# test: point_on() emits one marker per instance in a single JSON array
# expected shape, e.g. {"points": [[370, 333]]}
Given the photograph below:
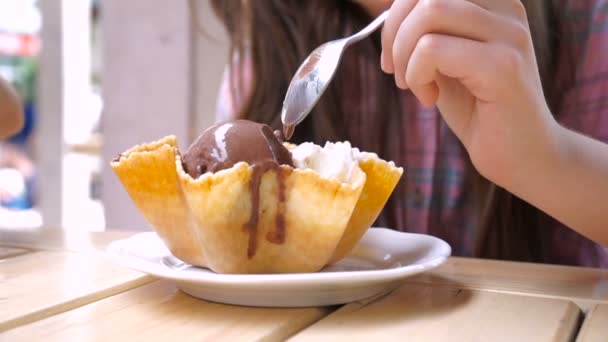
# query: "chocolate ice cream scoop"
{"points": [[225, 144]]}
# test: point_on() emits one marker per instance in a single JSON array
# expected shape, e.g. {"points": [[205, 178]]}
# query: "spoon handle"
{"points": [[369, 29]]}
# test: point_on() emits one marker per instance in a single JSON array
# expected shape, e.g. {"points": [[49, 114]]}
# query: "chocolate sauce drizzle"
{"points": [[278, 236], [288, 131], [225, 144]]}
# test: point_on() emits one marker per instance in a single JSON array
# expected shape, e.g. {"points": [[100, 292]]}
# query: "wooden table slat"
{"points": [[9, 252], [69, 290], [439, 313], [41, 284], [159, 312], [595, 326], [584, 286], [62, 240]]}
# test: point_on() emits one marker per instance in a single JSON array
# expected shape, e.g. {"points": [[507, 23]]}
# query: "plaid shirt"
{"points": [[435, 162]]}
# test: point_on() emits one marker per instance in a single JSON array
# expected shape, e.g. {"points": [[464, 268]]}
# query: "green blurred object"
{"points": [[26, 70], [21, 72]]}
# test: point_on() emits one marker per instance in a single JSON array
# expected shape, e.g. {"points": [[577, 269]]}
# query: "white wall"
{"points": [[159, 77], [146, 77], [209, 58]]}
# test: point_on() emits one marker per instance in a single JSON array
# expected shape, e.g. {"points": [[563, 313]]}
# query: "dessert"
{"points": [[222, 146], [241, 201]]}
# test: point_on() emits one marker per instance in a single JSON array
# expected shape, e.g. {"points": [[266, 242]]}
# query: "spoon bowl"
{"points": [[314, 75]]}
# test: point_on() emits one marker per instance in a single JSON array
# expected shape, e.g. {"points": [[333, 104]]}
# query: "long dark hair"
{"points": [[279, 34]]}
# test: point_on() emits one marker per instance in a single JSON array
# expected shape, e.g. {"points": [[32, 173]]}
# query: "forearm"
{"points": [[572, 186], [11, 113]]}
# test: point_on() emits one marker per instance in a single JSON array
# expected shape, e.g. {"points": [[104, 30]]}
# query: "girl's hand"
{"points": [[475, 60]]}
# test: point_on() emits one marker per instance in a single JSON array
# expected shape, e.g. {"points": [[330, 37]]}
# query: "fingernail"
{"points": [[382, 61], [398, 82], [404, 84]]}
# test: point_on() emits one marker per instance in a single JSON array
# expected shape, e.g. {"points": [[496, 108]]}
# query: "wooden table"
{"points": [[57, 286]]}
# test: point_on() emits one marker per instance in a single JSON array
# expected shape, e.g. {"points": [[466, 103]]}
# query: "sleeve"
{"points": [[584, 105], [235, 89]]}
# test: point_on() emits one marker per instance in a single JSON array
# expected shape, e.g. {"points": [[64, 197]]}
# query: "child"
{"points": [[502, 146]]}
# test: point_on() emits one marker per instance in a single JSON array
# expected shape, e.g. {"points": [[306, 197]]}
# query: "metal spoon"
{"points": [[315, 73]]}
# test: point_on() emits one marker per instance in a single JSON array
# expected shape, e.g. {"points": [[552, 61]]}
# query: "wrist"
{"points": [[549, 153]]}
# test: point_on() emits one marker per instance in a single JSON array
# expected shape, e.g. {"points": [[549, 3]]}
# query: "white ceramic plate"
{"points": [[382, 258]]}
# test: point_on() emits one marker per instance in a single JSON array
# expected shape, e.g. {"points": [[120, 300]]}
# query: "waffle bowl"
{"points": [[303, 221]]}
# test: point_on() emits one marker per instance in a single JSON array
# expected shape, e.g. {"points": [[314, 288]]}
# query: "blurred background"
{"points": [[97, 77]]}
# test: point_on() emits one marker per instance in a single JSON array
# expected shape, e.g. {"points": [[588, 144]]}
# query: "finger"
{"points": [[402, 8], [476, 65], [508, 8], [471, 66], [456, 18], [398, 12], [427, 94]]}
